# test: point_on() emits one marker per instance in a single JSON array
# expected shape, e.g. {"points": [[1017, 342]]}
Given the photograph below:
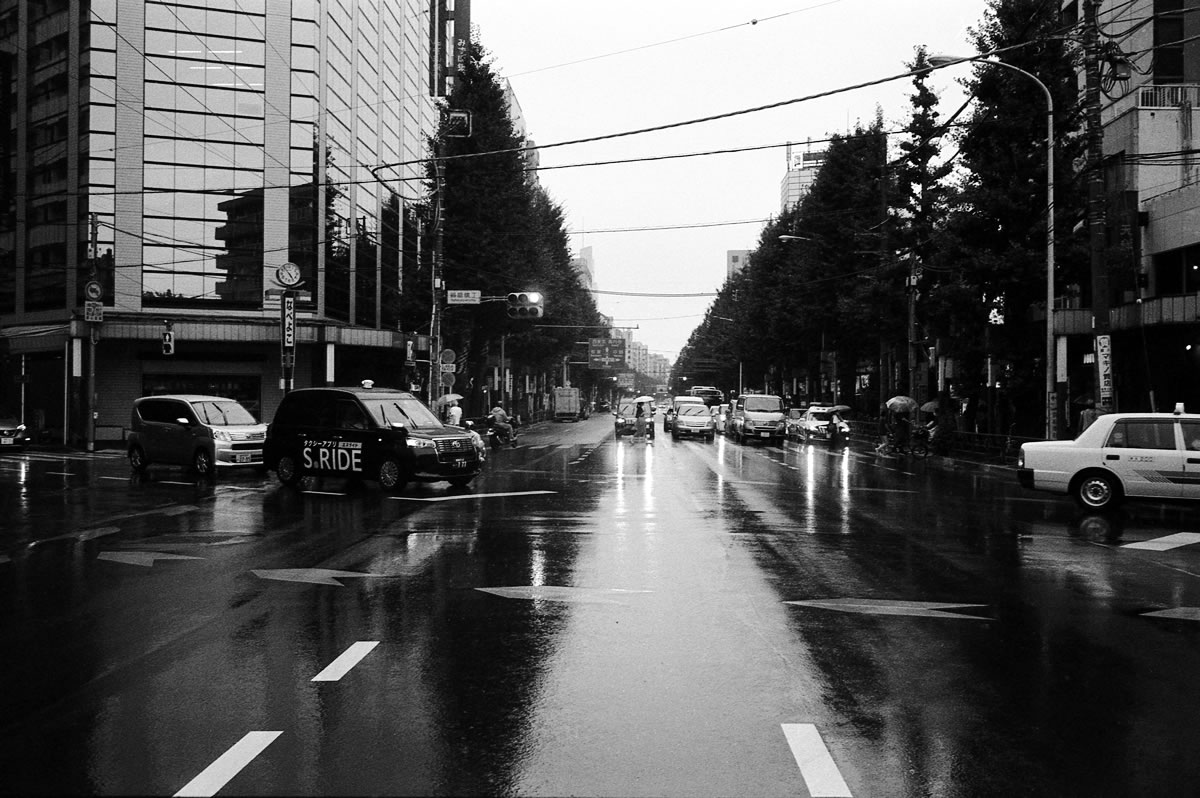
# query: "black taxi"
{"points": [[383, 434]]}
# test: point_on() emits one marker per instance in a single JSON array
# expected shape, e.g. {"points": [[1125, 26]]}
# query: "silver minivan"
{"points": [[205, 432]]}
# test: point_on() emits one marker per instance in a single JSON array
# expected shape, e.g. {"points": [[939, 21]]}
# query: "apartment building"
{"points": [[160, 161], [1150, 108]]}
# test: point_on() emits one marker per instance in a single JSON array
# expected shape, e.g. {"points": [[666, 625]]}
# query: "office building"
{"points": [[161, 160]]}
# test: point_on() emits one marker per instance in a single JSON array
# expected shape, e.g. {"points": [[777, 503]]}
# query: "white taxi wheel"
{"points": [[286, 470], [391, 478], [1097, 491]]}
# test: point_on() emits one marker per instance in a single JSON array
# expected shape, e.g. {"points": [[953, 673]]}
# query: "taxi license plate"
{"points": [[241, 458], [7, 441], [765, 434], [460, 463]]}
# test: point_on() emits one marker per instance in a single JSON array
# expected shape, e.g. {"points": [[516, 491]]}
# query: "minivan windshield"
{"points": [[403, 408], [764, 404], [222, 414]]}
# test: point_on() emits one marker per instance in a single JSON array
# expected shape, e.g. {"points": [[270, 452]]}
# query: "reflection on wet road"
{"points": [[594, 617]]}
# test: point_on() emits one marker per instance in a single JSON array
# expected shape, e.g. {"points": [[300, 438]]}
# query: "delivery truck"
{"points": [[566, 404]]}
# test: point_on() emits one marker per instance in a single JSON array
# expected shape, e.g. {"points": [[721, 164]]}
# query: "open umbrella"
{"points": [[902, 404], [840, 409], [642, 398], [930, 407], [450, 397]]}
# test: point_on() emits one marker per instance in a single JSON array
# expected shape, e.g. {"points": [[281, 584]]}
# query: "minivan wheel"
{"points": [[286, 470], [202, 462], [391, 476], [137, 459]]}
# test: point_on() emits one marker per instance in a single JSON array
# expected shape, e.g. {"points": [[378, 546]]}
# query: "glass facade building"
{"points": [[176, 152]]}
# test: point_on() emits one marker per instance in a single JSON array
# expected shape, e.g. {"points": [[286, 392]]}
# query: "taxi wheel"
{"points": [[391, 476], [202, 463], [286, 470], [1097, 491], [137, 459]]}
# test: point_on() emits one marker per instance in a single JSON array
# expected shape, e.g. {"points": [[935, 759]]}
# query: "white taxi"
{"points": [[1121, 455]]}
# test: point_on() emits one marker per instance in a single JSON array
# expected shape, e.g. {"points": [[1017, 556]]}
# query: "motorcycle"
{"points": [[497, 436]]}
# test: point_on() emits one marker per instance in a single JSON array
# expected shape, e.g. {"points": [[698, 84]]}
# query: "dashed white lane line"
{"points": [[1166, 543], [335, 670], [820, 772], [229, 764]]}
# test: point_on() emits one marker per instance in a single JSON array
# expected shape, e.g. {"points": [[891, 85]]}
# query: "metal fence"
{"points": [[980, 446]]}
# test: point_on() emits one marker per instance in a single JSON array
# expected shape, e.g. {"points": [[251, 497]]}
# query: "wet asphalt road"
{"points": [[593, 617]]}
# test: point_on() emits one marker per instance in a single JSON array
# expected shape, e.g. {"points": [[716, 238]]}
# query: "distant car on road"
{"points": [[673, 410], [693, 419], [758, 416], [720, 415], [625, 422], [814, 424], [712, 396], [1120, 456]]}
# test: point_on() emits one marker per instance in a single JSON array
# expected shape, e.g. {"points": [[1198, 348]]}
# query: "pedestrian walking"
{"points": [[454, 414]]}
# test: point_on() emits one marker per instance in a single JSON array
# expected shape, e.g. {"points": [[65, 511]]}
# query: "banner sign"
{"points": [[1104, 369]]}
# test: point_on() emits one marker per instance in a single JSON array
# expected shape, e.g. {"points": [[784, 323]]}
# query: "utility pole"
{"points": [[93, 335], [1096, 216], [435, 322]]}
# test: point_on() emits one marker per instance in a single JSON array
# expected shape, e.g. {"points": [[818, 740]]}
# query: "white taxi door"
{"points": [[1144, 453], [1191, 459]]}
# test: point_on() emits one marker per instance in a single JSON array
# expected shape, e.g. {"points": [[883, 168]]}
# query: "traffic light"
{"points": [[525, 305], [168, 343]]}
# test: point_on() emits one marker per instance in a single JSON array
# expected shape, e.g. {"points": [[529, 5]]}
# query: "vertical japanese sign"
{"points": [[1104, 369], [288, 322]]}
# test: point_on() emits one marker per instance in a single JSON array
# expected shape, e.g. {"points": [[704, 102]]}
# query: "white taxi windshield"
{"points": [[764, 404], [401, 409]]}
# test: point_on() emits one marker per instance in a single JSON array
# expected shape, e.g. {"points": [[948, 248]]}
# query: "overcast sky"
{"points": [[582, 68]]}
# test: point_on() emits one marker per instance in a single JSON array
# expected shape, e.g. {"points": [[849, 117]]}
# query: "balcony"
{"points": [[1169, 96], [1176, 309]]}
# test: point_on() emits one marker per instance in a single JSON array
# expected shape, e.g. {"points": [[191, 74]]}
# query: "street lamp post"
{"points": [[946, 60]]}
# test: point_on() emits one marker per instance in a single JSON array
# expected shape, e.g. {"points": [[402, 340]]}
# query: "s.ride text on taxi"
{"points": [[333, 455]]}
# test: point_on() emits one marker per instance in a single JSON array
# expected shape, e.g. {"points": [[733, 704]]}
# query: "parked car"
{"points": [[673, 410], [625, 422], [693, 419], [382, 434], [1120, 456], [758, 416], [207, 433], [720, 415], [13, 434]]}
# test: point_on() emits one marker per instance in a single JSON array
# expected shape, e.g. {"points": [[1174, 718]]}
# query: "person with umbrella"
{"points": [[454, 414]]}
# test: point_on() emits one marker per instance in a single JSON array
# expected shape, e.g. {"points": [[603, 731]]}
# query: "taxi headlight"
{"points": [[421, 443], [222, 435], [620, 419]]}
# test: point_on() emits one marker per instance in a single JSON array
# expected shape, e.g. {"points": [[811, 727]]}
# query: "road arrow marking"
{"points": [[583, 595], [335, 670], [314, 576], [143, 558], [1179, 614], [916, 609], [469, 496], [229, 764], [820, 772], [1166, 543]]}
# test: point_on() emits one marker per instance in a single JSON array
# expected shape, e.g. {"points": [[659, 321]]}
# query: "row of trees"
{"points": [[501, 233], [959, 234]]}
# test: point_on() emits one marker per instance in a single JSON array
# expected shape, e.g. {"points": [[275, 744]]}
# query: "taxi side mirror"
{"points": [[183, 422]]}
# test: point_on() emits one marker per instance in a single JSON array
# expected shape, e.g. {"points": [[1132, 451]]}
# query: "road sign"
{"points": [[447, 356], [92, 290], [449, 368], [706, 364], [606, 353], [463, 297], [93, 311], [625, 379], [448, 378]]}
